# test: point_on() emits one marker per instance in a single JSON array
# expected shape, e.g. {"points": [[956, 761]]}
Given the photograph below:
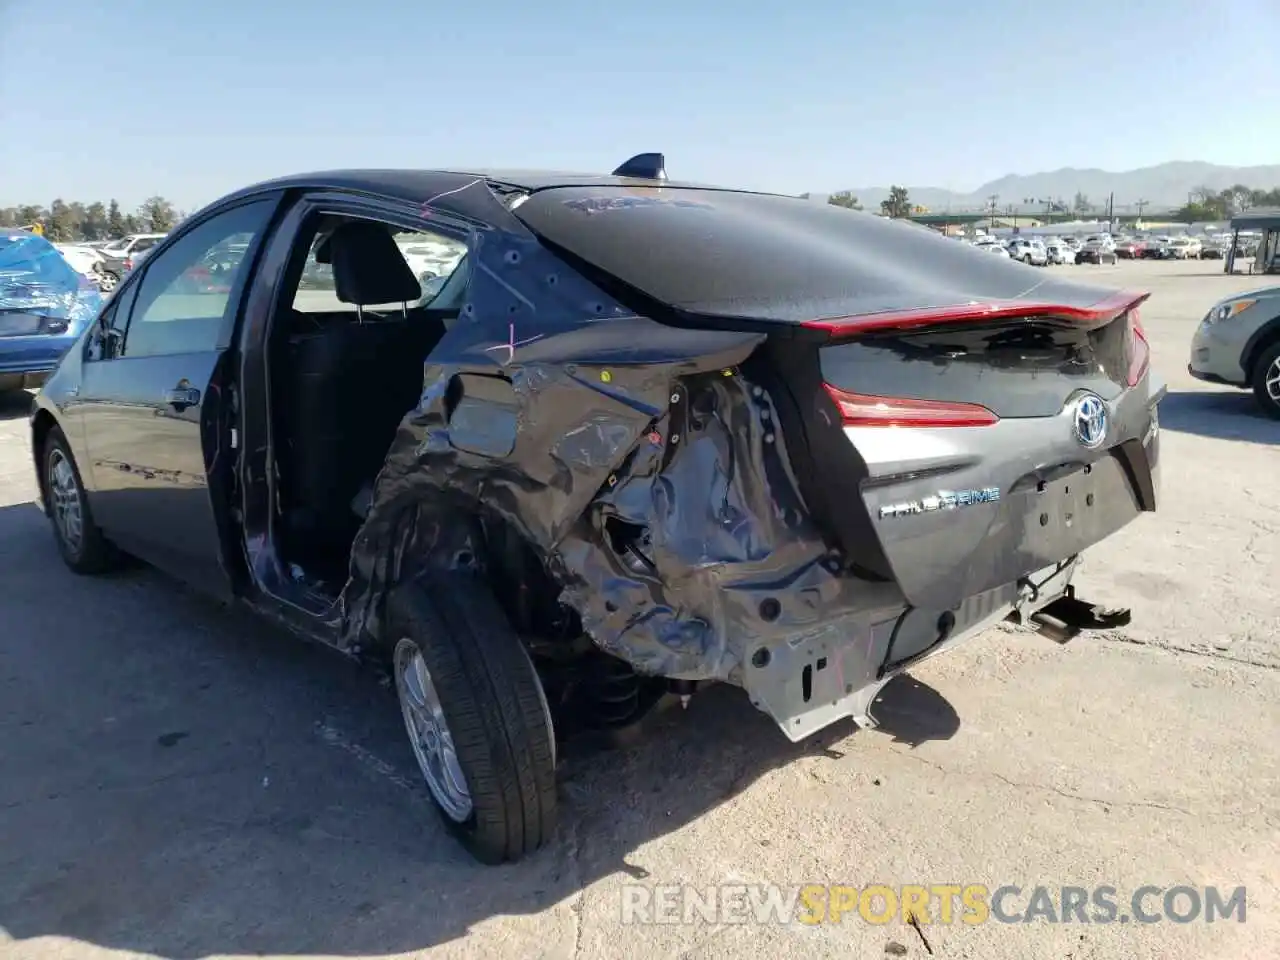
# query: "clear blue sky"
{"points": [[131, 97]]}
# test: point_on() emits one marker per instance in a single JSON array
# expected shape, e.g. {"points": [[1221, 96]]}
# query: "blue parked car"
{"points": [[44, 305]]}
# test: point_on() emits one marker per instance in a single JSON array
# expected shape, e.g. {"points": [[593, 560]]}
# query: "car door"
{"points": [[149, 403]]}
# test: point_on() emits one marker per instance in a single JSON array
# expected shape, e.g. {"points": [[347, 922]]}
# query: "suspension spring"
{"points": [[613, 694]]}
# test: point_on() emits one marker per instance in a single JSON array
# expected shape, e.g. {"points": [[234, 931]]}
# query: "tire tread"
{"points": [[493, 699]]}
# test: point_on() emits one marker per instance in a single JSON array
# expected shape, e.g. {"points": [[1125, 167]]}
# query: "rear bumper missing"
{"points": [[27, 361], [22, 381], [812, 682]]}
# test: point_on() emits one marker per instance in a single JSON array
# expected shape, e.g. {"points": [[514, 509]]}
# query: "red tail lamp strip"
{"points": [[1097, 314], [860, 410]]}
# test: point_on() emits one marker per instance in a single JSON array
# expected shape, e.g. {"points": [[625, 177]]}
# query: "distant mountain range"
{"points": [[1165, 187]]}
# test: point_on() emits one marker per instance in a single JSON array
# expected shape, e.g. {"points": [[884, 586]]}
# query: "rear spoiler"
{"points": [[975, 312]]}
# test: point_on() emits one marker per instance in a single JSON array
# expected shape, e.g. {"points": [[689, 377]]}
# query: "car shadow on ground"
{"points": [[183, 780], [1222, 414], [15, 404]]}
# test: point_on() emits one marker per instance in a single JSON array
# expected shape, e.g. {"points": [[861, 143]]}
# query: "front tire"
{"points": [[79, 540], [476, 716], [1266, 381]]}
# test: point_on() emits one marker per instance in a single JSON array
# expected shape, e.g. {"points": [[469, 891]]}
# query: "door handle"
{"points": [[182, 397]]}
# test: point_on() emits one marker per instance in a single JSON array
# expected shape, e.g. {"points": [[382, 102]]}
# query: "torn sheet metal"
{"points": [[634, 456]]}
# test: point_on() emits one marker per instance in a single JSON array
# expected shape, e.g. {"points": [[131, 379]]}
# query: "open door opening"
{"points": [[369, 303]]}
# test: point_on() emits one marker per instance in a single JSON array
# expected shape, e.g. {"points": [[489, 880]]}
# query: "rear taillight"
{"points": [[1137, 350], [860, 410], [128, 264]]}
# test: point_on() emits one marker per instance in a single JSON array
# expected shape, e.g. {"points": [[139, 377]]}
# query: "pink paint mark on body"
{"points": [[511, 344]]}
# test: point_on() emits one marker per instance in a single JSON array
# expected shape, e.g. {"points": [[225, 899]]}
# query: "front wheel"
{"points": [[476, 715], [1266, 381]]}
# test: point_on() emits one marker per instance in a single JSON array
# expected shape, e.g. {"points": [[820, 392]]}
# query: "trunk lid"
{"points": [[959, 450]]}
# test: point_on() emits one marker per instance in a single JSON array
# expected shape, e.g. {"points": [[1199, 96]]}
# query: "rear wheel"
{"points": [[79, 540], [1266, 381], [108, 282], [476, 716]]}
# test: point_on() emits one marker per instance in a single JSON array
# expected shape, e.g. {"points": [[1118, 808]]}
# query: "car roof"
{"points": [[423, 186]]}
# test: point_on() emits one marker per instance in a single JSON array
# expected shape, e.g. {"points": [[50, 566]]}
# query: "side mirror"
{"points": [[105, 339]]}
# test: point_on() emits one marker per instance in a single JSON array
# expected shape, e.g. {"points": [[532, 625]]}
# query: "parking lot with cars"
{"points": [[181, 780]]}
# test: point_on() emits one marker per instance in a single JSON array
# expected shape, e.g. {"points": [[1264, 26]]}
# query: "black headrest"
{"points": [[368, 267]]}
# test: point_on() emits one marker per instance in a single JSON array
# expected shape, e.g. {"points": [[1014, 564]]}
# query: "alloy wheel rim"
{"points": [[1271, 381], [429, 733], [64, 492]]}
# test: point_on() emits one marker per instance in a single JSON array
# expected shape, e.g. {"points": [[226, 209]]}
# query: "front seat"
{"points": [[351, 383]]}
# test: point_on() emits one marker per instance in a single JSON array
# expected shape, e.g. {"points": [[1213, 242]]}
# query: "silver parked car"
{"points": [[1029, 251], [1059, 252], [1238, 343]]}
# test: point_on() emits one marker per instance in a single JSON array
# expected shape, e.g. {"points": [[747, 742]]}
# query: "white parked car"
{"points": [[1059, 252], [132, 245], [1183, 248], [84, 260], [1028, 250]]}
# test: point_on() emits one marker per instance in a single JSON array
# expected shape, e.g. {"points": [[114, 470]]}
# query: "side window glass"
{"points": [[185, 294], [316, 292], [432, 257]]}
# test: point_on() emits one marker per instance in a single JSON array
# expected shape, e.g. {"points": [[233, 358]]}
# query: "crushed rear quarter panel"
{"points": [[553, 407]]}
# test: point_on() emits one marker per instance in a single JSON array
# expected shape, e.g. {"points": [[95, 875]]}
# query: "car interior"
{"points": [[346, 365]]}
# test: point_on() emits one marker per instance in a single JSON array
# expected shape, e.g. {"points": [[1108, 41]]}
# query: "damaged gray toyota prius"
{"points": [[557, 448]]}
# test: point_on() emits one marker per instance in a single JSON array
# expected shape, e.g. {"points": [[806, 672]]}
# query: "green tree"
{"points": [[29, 214], [8, 216], [1205, 205], [844, 198], [898, 204], [156, 214], [1240, 198], [94, 225], [61, 225], [116, 225]]}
